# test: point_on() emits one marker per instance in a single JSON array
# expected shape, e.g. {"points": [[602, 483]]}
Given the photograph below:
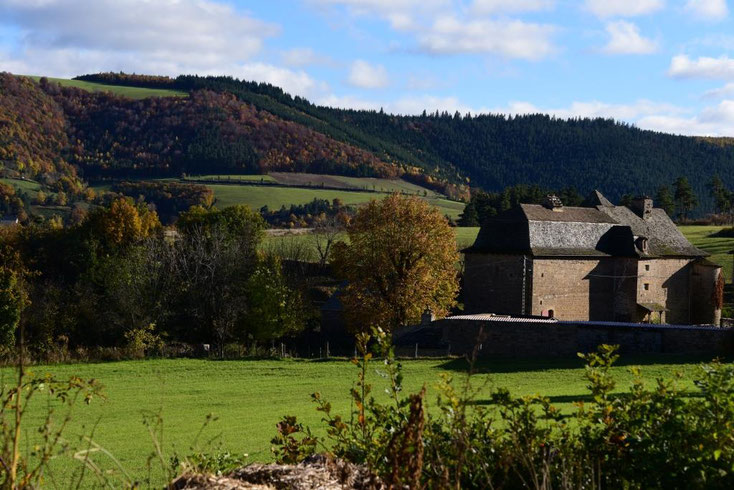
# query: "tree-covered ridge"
{"points": [[206, 132], [32, 135], [496, 151]]}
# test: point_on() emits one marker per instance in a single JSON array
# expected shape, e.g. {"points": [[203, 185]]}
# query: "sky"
{"points": [[666, 65]]}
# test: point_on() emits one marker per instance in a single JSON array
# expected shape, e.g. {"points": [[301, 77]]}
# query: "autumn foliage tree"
{"points": [[400, 260]]}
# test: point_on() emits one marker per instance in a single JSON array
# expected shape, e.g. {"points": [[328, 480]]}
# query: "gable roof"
{"points": [[594, 231]]}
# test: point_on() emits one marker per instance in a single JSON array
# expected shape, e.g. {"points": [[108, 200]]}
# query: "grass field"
{"points": [[237, 178], [29, 186], [700, 236], [249, 397], [130, 92], [355, 183], [275, 197]]}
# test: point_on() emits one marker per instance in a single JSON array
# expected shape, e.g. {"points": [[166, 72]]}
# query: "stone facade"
{"points": [[595, 263]]}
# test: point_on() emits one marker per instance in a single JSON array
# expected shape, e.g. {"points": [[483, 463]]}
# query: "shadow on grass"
{"points": [[499, 365], [586, 398]]}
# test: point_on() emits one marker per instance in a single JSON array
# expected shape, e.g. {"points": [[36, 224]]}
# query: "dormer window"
{"points": [[641, 243]]}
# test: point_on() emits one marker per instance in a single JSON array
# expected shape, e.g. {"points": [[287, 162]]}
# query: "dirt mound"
{"points": [[316, 472]]}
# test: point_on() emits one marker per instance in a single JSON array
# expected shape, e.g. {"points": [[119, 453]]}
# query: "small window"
{"points": [[551, 313], [541, 301], [542, 274], [647, 267], [647, 286]]}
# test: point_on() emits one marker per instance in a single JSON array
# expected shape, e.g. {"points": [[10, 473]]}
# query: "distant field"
{"points": [[249, 397], [717, 247], [275, 197], [364, 183], [131, 92], [29, 186], [465, 236], [235, 178]]}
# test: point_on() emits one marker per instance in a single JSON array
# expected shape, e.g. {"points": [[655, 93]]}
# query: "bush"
{"points": [[659, 437]]}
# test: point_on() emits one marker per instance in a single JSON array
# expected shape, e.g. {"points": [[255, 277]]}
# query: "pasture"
{"points": [[129, 92], [274, 197], [248, 397], [719, 248]]}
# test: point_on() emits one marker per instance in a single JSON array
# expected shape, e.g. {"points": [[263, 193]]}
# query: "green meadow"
{"points": [[719, 248], [248, 398], [274, 197], [130, 92]]}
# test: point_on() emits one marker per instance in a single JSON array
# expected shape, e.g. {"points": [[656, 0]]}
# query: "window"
{"points": [[647, 286], [551, 313], [647, 267]]}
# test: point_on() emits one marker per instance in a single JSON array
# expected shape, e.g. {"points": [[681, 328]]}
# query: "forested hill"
{"points": [[494, 151], [232, 126]]}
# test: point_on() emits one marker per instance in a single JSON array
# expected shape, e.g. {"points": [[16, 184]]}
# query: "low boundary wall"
{"points": [[532, 337]]}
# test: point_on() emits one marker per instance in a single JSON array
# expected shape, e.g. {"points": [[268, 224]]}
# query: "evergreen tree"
{"points": [[685, 198], [664, 200], [722, 196], [469, 217]]}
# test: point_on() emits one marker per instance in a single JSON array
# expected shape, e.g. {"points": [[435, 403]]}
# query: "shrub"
{"points": [[658, 437], [142, 342]]}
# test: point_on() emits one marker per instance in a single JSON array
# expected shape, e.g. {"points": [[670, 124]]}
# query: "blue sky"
{"points": [[666, 65]]}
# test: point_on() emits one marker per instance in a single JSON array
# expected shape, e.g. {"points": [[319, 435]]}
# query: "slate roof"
{"points": [[597, 230]]}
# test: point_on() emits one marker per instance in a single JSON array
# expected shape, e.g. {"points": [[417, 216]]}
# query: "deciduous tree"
{"points": [[400, 260]]}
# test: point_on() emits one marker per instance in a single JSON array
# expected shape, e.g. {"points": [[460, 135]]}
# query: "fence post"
{"points": [[416, 350], [327, 350]]}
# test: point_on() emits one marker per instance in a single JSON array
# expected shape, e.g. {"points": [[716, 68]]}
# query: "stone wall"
{"points": [[666, 282], [524, 339], [496, 282], [584, 289]]}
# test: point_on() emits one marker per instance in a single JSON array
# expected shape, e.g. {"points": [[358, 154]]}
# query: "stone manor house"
{"points": [[596, 262]]}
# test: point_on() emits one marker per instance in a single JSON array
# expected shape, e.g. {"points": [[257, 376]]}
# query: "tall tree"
{"points": [[400, 260], [722, 196], [685, 198], [664, 200]]}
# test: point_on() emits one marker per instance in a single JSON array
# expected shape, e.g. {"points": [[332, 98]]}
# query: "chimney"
{"points": [[553, 202], [642, 207]]}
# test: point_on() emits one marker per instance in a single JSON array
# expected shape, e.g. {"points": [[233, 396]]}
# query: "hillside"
{"points": [[231, 127], [494, 151], [32, 135]]}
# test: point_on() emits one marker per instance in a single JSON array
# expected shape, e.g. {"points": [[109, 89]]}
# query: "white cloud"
{"points": [[708, 9], [594, 109], [623, 8], [408, 105], [509, 38], [163, 36], [681, 66], [365, 75], [305, 57], [716, 120], [402, 14], [625, 38], [721, 92], [447, 27], [483, 7], [293, 82]]}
